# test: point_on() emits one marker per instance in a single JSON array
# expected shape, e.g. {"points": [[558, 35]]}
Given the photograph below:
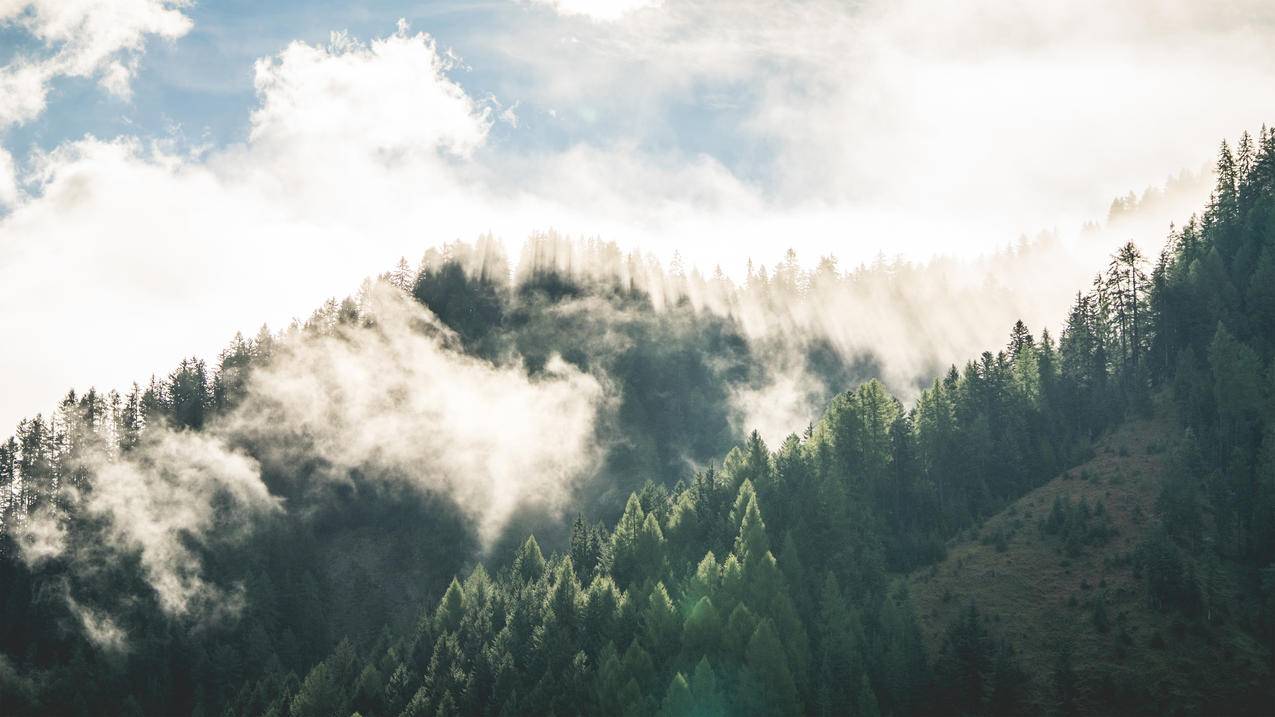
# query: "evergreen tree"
{"points": [[768, 687], [678, 701]]}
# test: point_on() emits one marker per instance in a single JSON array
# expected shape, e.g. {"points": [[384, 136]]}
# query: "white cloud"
{"points": [[8, 180], [359, 153], [85, 38], [600, 10], [994, 116], [22, 91], [320, 196], [390, 99]]}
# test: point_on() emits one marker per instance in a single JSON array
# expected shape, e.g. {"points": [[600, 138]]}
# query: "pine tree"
{"points": [[451, 609], [661, 625], [1019, 339], [649, 557], [585, 548], [562, 618], [965, 663], [839, 648], [603, 603], [529, 564], [752, 545], [678, 701], [769, 688], [639, 666], [702, 631], [625, 564], [708, 700], [1127, 283], [320, 695], [1009, 682]]}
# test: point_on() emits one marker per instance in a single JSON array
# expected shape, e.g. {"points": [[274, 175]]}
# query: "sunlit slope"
{"points": [[1075, 590]]}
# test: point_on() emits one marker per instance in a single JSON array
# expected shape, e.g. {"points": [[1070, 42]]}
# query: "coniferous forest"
{"points": [[296, 530]]}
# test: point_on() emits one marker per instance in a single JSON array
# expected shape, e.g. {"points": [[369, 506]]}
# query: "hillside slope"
{"points": [[1070, 594]]}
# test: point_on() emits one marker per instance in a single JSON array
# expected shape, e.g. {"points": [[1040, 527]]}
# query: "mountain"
{"points": [[466, 491]]}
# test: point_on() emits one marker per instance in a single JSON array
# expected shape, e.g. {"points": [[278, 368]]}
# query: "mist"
{"points": [[389, 399], [489, 415], [380, 396]]}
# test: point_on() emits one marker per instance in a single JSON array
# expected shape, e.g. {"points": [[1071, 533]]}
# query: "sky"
{"points": [[172, 172]]}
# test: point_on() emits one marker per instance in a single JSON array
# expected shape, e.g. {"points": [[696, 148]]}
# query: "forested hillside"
{"points": [[313, 527], [1074, 575]]}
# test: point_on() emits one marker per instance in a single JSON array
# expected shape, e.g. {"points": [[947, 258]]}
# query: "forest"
{"points": [[310, 526]]}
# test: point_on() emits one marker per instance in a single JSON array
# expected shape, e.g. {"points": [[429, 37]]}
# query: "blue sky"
{"points": [[172, 172], [203, 81], [199, 87]]}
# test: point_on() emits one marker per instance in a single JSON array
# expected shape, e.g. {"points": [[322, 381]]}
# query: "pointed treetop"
{"points": [[633, 513], [451, 608], [753, 543], [530, 562], [678, 701], [1019, 339]]}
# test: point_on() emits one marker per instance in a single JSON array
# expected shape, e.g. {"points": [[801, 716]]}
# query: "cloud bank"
{"points": [[833, 128], [599, 10]]}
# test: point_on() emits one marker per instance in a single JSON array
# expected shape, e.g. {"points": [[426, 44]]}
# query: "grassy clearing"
{"points": [[1069, 583]]}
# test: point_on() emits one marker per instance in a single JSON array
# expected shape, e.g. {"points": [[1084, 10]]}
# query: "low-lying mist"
{"points": [[381, 396], [507, 396]]}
